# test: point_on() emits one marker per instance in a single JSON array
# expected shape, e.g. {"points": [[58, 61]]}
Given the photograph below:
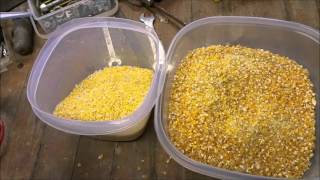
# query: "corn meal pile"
{"points": [[243, 109], [108, 94]]}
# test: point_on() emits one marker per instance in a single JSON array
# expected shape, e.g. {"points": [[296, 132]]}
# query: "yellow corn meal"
{"points": [[243, 109], [108, 94]]}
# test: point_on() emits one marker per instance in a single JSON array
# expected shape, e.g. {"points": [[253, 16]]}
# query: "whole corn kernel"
{"points": [[108, 94], [243, 109]]}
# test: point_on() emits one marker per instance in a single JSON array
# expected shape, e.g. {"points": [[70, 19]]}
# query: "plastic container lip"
{"points": [[164, 139], [81, 23]]}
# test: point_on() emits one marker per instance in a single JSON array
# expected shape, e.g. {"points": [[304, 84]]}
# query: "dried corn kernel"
{"points": [[108, 94], [243, 109]]}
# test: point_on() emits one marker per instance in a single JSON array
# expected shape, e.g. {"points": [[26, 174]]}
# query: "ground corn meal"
{"points": [[108, 94], [243, 109]]}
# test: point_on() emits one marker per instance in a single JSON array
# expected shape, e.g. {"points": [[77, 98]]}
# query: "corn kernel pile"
{"points": [[108, 94], [243, 109]]}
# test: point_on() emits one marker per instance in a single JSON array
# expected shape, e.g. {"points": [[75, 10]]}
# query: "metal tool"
{"points": [[114, 60], [149, 4], [44, 7], [162, 18], [171, 18], [148, 20], [54, 5]]}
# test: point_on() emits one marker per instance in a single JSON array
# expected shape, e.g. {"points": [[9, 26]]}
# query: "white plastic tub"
{"points": [[299, 42], [77, 49]]}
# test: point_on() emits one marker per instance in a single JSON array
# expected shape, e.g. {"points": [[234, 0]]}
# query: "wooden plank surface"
{"points": [[93, 159], [25, 129], [299, 11], [135, 159], [56, 157], [37, 151]]}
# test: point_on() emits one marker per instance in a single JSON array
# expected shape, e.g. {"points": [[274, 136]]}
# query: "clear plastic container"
{"points": [[299, 42], [77, 49]]}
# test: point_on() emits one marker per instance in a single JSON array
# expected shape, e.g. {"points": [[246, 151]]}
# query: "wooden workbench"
{"points": [[37, 151]]}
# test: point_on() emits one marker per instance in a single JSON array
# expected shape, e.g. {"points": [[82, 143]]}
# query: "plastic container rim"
{"points": [[164, 140]]}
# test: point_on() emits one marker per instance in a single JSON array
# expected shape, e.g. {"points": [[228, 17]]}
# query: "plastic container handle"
{"points": [[14, 15]]}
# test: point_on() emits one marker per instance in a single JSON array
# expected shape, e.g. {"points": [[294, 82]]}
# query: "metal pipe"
{"points": [[14, 15]]}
